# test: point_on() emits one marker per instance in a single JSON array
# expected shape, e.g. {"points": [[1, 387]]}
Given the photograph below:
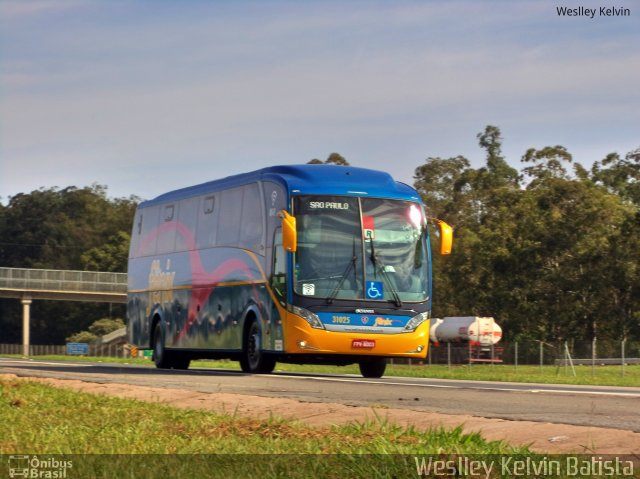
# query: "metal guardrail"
{"points": [[110, 350], [61, 280]]}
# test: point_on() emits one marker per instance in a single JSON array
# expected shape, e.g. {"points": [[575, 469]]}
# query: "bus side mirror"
{"points": [[289, 235], [446, 237]]}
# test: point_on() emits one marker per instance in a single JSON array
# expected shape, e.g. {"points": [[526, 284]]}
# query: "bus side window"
{"points": [[209, 202], [279, 268], [230, 211], [136, 233], [207, 222], [251, 226], [167, 230], [148, 236], [187, 220]]}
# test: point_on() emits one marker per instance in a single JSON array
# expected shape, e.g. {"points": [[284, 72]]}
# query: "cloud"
{"points": [[12, 9], [137, 86]]}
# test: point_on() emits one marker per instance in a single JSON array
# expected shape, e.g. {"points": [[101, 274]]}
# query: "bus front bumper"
{"points": [[301, 338]]}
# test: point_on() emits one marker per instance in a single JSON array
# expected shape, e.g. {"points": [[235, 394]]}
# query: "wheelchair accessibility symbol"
{"points": [[375, 290]]}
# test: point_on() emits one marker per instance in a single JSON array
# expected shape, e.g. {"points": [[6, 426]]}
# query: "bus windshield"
{"points": [[370, 249]]}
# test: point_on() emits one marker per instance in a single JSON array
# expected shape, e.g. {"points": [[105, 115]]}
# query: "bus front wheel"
{"points": [[253, 359], [373, 368]]}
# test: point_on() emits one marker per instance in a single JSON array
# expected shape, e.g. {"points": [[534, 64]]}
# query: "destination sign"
{"points": [[328, 205], [332, 205]]}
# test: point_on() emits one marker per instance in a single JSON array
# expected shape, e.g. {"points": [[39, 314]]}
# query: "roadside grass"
{"points": [[602, 375], [40, 419]]}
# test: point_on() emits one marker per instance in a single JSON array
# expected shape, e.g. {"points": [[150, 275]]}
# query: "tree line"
{"points": [[73, 229], [550, 250]]}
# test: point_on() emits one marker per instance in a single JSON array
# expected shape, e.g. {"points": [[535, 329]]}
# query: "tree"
{"points": [[497, 172], [619, 176], [440, 182], [51, 228], [111, 256], [554, 260], [333, 158], [547, 163]]}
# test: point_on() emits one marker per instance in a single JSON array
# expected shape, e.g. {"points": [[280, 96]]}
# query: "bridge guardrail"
{"points": [[60, 280]]}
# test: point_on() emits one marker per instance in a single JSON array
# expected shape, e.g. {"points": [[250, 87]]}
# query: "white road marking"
{"points": [[477, 388], [600, 393], [32, 362]]}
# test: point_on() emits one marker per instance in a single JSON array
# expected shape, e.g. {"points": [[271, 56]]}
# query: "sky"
{"points": [[149, 96]]}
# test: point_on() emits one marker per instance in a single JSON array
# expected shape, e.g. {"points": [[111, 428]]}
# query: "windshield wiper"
{"points": [[379, 266], [350, 266]]}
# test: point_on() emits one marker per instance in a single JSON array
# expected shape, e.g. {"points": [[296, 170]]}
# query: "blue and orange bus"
{"points": [[304, 264]]}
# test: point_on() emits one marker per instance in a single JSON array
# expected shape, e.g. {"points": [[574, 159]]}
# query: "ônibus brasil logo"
{"points": [[38, 467]]}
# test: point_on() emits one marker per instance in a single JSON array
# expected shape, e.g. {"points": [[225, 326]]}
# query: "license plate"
{"points": [[363, 344]]}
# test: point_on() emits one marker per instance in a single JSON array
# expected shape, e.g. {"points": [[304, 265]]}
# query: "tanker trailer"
{"points": [[465, 339]]}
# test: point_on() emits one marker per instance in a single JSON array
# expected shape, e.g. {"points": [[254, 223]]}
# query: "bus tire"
{"points": [[253, 359], [161, 357], [373, 367], [164, 358], [180, 361]]}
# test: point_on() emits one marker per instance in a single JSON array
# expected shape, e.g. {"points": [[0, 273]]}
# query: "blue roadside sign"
{"points": [[79, 349]]}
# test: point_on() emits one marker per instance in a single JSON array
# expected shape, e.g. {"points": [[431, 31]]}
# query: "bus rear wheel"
{"points": [[253, 359], [373, 368], [180, 361], [164, 358], [160, 353]]}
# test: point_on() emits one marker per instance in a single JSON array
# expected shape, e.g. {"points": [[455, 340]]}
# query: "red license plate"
{"points": [[363, 344]]}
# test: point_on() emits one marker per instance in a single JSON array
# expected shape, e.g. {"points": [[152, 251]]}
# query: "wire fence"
{"points": [[539, 353], [579, 352]]}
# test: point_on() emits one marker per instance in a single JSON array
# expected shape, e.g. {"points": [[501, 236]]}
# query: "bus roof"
{"points": [[306, 179]]}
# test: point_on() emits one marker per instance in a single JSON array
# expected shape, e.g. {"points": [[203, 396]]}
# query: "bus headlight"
{"points": [[416, 321], [308, 316]]}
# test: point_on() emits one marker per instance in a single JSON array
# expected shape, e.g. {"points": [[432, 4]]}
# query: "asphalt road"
{"points": [[602, 406]]}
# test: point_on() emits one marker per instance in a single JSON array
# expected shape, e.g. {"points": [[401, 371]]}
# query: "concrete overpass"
{"points": [[28, 285]]}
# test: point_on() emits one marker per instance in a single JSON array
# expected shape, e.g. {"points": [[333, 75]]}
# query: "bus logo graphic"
{"points": [[19, 466], [384, 322], [375, 290]]}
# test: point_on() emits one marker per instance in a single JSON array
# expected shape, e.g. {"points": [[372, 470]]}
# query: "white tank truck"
{"points": [[465, 339]]}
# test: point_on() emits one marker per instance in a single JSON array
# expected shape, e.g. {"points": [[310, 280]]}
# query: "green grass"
{"points": [[40, 419], [600, 375]]}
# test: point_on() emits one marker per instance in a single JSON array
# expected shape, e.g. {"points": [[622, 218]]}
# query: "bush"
{"points": [[98, 328], [82, 337]]}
